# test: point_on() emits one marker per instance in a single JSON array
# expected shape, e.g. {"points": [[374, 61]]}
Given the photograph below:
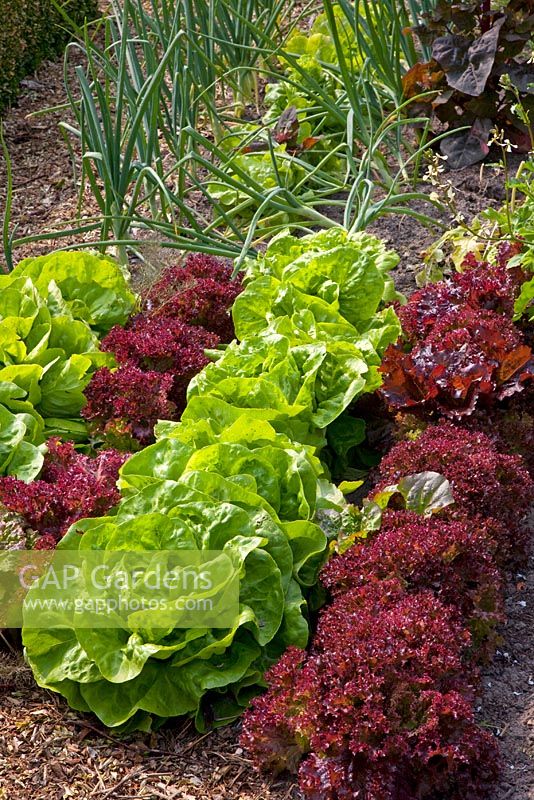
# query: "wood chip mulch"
{"points": [[48, 752], [45, 195]]}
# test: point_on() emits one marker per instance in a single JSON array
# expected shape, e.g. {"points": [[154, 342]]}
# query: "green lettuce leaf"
{"points": [[52, 310], [241, 473], [91, 286], [524, 305]]}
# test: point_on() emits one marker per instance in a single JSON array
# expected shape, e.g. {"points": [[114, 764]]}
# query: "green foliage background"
{"points": [[30, 31]]}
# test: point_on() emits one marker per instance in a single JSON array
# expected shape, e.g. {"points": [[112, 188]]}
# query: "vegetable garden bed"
{"points": [[219, 361]]}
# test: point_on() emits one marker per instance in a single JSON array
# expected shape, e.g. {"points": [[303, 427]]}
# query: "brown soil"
{"points": [[508, 685], [476, 190], [45, 195]]}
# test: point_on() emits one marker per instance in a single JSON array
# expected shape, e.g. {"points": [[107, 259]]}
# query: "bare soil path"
{"points": [[508, 699]]}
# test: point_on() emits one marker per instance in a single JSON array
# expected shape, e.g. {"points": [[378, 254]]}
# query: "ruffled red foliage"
{"points": [[165, 345], [46, 542], [511, 425], [485, 482], [201, 292], [469, 355], [381, 702], [454, 559], [493, 287], [162, 344], [460, 345], [160, 350], [132, 395], [452, 758], [71, 486], [381, 705]]}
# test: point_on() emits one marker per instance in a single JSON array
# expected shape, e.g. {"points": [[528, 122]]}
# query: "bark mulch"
{"points": [[45, 195], [48, 752]]}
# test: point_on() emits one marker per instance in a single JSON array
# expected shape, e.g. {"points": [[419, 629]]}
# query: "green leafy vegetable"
{"points": [[285, 157], [241, 472], [212, 498], [49, 348], [524, 305], [91, 287], [347, 271], [315, 53], [425, 493]]}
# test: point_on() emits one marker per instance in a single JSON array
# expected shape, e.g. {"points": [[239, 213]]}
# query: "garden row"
{"points": [[245, 116], [163, 422], [240, 473], [380, 707], [382, 703], [66, 355]]}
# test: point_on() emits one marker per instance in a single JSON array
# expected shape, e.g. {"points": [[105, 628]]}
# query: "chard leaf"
{"points": [[468, 64], [468, 147]]}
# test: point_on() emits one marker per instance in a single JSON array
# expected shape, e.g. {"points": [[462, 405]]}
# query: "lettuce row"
{"points": [[240, 472], [52, 311], [316, 54]]}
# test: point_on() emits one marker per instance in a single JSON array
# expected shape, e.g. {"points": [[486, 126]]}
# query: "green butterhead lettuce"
{"points": [[123, 675], [92, 287], [52, 311], [241, 472]]}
